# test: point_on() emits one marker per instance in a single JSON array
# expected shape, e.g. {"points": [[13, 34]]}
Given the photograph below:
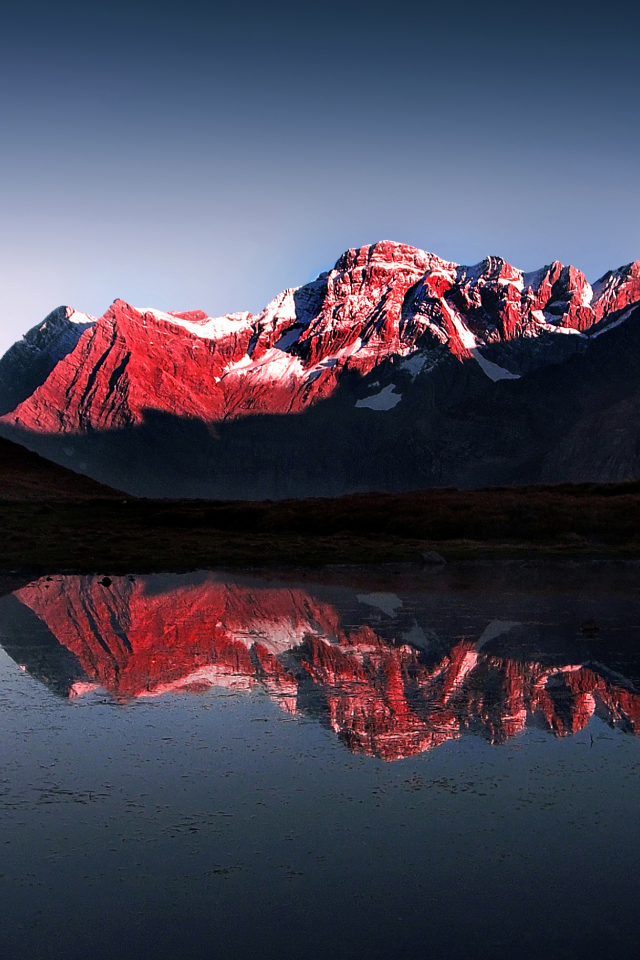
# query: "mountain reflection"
{"points": [[383, 696]]}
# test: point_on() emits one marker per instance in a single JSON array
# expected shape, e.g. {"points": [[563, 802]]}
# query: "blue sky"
{"points": [[182, 155]]}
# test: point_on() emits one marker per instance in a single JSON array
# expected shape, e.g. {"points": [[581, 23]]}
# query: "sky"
{"points": [[184, 155]]}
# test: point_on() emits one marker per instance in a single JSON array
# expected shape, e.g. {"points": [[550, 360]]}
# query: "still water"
{"points": [[437, 764]]}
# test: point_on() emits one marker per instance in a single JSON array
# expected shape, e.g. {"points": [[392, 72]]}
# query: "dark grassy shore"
{"points": [[52, 519], [117, 534]]}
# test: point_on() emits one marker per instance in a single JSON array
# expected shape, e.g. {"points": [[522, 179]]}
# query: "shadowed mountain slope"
{"points": [[26, 476]]}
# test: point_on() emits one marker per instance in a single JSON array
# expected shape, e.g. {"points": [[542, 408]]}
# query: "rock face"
{"points": [[29, 362], [382, 695], [392, 336]]}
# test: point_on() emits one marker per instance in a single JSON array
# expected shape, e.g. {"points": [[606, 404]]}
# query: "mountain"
{"points": [[26, 476], [392, 692], [395, 370]]}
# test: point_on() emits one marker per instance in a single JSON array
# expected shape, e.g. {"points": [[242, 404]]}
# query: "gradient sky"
{"points": [[182, 156]]}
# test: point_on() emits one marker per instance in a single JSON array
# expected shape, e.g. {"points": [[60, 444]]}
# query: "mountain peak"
{"points": [[392, 255]]}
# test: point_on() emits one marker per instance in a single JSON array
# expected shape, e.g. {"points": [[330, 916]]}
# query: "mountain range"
{"points": [[395, 370]]}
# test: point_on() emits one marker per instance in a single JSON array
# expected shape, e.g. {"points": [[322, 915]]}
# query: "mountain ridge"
{"points": [[389, 328]]}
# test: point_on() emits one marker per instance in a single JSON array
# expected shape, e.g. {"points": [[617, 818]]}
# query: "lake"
{"points": [[351, 763]]}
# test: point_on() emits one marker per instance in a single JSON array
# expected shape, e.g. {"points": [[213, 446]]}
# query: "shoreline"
{"points": [[566, 525]]}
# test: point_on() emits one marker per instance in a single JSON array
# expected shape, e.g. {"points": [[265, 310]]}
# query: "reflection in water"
{"points": [[234, 823], [385, 692]]}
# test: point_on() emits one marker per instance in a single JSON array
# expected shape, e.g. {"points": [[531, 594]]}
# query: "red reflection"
{"points": [[382, 698]]}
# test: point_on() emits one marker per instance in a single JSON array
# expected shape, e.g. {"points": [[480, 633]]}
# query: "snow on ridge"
{"points": [[273, 365], [490, 269], [75, 316], [469, 273], [55, 328], [211, 328], [613, 279], [392, 265], [467, 338], [392, 255], [281, 309], [449, 273], [492, 370], [60, 315], [616, 323], [607, 283]]}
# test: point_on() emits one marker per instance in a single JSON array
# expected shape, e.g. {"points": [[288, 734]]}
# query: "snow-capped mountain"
{"points": [[392, 363]]}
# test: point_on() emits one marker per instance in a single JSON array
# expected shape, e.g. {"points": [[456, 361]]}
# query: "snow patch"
{"points": [[586, 295], [385, 400], [211, 675], [276, 636], [314, 372], [492, 370], [80, 688], [518, 284], [571, 331], [542, 320], [467, 664], [414, 364], [273, 365]]}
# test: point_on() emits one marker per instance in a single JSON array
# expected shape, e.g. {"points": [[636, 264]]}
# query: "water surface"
{"points": [[204, 765]]}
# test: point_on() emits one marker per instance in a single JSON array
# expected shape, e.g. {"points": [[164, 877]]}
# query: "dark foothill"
{"points": [[590, 628]]}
